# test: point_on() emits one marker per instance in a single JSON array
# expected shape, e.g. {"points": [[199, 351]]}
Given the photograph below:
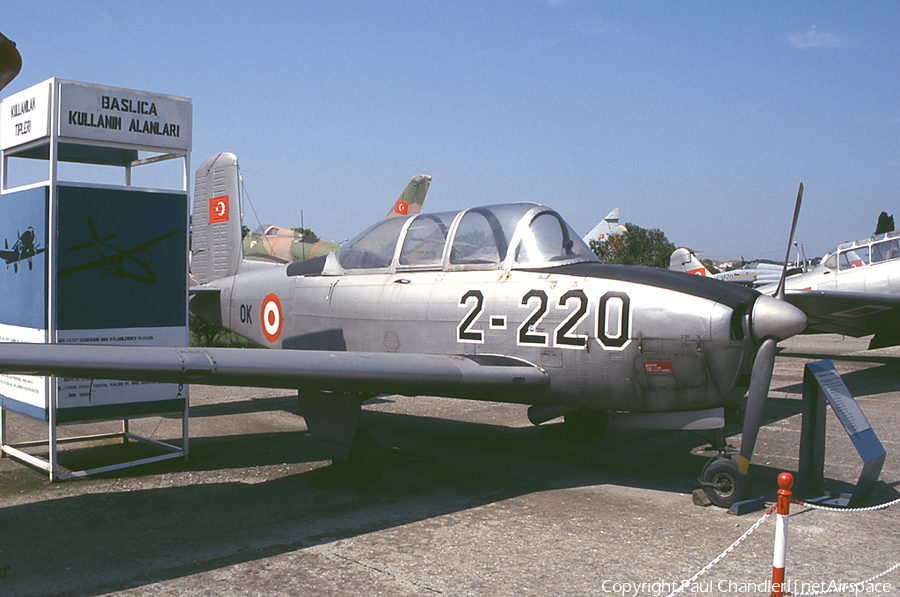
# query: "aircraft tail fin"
{"points": [[684, 260], [605, 228], [216, 250], [412, 197]]}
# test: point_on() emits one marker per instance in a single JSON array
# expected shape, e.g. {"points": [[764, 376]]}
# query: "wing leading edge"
{"points": [[853, 314], [373, 373]]}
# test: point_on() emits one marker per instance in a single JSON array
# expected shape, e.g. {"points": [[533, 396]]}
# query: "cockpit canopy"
{"points": [[511, 236], [868, 251]]}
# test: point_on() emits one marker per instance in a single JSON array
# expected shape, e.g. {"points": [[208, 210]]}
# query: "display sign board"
{"points": [[102, 113], [98, 113], [820, 378], [25, 116], [90, 263]]}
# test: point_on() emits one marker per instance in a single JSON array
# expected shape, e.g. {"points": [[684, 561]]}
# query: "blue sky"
{"points": [[699, 119]]}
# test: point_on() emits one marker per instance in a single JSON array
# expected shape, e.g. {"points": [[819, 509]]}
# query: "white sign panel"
{"points": [[80, 393], [25, 116], [28, 390], [101, 113]]}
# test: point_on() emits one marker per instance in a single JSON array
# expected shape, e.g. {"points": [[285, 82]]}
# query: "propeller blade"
{"points": [[779, 291], [760, 379]]}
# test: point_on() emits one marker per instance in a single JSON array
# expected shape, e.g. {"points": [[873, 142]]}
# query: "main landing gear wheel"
{"points": [[364, 466], [585, 424], [723, 483]]}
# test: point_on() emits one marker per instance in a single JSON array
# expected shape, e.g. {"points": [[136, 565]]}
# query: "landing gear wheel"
{"points": [[723, 483], [585, 424], [364, 466]]}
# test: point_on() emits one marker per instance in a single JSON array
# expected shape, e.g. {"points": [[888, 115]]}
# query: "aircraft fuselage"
{"points": [[606, 343]]}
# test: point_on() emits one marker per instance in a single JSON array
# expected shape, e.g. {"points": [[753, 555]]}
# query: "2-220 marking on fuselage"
{"points": [[613, 316]]}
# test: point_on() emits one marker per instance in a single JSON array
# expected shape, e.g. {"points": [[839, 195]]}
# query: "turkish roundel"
{"points": [[218, 209], [271, 317]]}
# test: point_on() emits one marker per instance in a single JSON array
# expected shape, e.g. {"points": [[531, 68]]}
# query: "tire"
{"points": [[724, 484], [364, 466], [585, 424]]}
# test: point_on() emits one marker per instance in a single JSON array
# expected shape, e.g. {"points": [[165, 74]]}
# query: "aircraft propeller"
{"points": [[772, 320]]}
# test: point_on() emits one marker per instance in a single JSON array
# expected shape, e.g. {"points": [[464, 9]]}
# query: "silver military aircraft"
{"points": [[855, 291], [758, 274], [607, 227], [500, 303]]}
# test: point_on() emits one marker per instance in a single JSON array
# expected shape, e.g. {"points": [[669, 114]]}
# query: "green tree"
{"points": [[885, 223], [635, 246], [306, 232], [709, 265], [205, 333]]}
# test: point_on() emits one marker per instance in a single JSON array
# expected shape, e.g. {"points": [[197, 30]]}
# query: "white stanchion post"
{"points": [[785, 481]]}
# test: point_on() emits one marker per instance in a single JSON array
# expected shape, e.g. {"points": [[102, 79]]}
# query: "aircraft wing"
{"points": [[850, 313], [9, 256], [371, 373]]}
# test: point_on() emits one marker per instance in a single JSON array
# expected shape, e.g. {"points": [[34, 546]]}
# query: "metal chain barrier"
{"points": [[855, 587], [844, 588], [722, 555], [847, 510]]}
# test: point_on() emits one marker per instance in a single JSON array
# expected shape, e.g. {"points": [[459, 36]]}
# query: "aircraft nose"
{"points": [[773, 318]]}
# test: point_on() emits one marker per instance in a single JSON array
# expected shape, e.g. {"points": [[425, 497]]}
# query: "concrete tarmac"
{"points": [[473, 501]]}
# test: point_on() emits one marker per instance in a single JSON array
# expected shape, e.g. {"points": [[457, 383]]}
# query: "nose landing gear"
{"points": [[723, 484]]}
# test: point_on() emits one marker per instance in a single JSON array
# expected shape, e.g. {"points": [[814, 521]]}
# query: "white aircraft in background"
{"points": [[855, 291], [607, 227], [758, 273]]}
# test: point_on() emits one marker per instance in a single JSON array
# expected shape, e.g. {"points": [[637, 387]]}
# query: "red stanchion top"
{"points": [[785, 481]]}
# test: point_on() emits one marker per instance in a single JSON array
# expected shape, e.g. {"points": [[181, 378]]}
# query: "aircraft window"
{"points": [[885, 251], [549, 239], [479, 239], [374, 248], [854, 258], [831, 261], [272, 231], [424, 242]]}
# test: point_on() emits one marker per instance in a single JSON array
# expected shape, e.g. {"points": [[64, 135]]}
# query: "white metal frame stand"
{"points": [[17, 451]]}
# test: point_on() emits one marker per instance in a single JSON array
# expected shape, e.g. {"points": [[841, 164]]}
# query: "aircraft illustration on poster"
{"points": [[121, 263], [25, 247]]}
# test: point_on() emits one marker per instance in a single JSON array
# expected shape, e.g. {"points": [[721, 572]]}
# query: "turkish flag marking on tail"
{"points": [[401, 207], [218, 209]]}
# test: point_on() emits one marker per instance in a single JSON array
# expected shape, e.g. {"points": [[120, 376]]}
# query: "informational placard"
{"points": [[843, 404], [25, 116], [820, 378], [112, 114]]}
